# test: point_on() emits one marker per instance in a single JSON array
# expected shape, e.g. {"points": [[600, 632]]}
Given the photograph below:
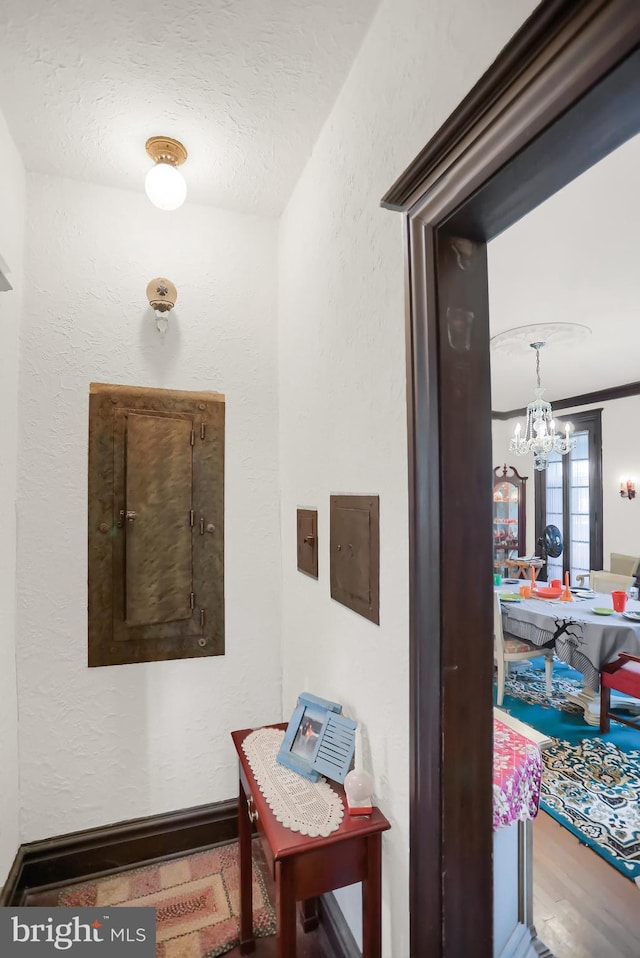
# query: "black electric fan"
{"points": [[550, 542]]}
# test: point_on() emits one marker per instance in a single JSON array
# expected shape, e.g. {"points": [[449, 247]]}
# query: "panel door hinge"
{"points": [[193, 437], [191, 517], [203, 429], [202, 612], [192, 600]]}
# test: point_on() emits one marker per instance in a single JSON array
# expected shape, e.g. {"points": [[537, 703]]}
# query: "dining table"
{"points": [[583, 638]]}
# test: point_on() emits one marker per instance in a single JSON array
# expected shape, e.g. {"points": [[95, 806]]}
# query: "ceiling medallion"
{"points": [[513, 341]]}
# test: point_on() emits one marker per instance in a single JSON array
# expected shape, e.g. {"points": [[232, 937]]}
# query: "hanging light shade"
{"points": [[164, 183], [540, 438]]}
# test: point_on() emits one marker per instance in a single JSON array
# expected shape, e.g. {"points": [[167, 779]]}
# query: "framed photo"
{"points": [[318, 740]]}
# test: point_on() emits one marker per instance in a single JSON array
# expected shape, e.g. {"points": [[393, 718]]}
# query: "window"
{"points": [[568, 494]]}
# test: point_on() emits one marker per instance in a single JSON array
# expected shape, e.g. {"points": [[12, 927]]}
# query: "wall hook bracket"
{"points": [[162, 295]]}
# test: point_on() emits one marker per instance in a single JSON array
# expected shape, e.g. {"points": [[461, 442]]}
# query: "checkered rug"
{"points": [[196, 900]]}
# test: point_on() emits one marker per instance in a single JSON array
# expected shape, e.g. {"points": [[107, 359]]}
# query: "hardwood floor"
{"points": [[582, 907]]}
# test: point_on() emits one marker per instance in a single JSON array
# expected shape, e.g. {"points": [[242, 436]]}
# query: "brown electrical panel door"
{"points": [[156, 509], [158, 532], [354, 553]]}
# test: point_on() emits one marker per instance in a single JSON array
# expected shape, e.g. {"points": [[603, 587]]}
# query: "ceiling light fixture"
{"points": [[540, 437], [164, 183]]}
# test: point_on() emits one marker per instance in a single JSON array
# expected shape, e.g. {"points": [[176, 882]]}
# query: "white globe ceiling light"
{"points": [[164, 183], [165, 187]]}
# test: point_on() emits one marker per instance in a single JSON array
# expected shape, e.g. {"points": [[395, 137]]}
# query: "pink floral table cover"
{"points": [[517, 775]]}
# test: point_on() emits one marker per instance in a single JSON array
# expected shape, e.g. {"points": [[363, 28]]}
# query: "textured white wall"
{"points": [[342, 377], [620, 459], [12, 205], [102, 745]]}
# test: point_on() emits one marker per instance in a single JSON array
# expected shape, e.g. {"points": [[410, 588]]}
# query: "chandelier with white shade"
{"points": [[540, 437]]}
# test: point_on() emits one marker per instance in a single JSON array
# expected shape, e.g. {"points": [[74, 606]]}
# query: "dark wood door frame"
{"points": [[563, 94]]}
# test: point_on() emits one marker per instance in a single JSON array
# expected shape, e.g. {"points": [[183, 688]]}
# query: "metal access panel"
{"points": [[158, 532], [307, 541], [354, 546], [156, 524]]}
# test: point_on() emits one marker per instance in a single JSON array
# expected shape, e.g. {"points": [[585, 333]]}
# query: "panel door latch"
{"points": [[129, 515]]}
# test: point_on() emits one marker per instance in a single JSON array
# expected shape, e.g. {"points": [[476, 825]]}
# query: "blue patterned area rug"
{"points": [[590, 782]]}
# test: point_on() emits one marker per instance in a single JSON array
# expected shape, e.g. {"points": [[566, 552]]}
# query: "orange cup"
{"points": [[525, 591], [619, 600], [555, 584]]}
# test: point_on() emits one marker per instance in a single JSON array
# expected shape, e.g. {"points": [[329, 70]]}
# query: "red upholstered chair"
{"points": [[623, 675]]}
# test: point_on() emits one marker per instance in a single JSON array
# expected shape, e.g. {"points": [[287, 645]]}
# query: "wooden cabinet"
{"points": [[509, 516], [304, 867]]}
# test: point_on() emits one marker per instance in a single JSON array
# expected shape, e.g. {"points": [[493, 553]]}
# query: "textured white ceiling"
{"points": [[245, 84], [574, 259]]}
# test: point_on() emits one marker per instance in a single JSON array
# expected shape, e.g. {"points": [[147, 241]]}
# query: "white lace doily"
{"points": [[311, 808]]}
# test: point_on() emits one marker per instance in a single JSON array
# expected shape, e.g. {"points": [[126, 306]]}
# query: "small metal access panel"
{"points": [[307, 541], [156, 522], [355, 554]]}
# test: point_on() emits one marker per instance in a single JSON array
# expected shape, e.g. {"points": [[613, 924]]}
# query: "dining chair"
{"points": [[623, 564], [601, 580], [623, 675], [508, 648]]}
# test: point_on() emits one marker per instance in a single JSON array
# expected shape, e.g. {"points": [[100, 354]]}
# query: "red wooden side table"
{"points": [[304, 867], [623, 675]]}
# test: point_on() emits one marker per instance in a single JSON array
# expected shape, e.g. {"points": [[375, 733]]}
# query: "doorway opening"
{"points": [[562, 95]]}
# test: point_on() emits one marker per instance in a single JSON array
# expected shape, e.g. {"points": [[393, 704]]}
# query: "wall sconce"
{"points": [[628, 488], [164, 183], [162, 296]]}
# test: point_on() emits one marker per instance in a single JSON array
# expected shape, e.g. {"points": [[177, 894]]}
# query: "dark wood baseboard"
{"points": [[80, 856], [83, 855], [337, 936]]}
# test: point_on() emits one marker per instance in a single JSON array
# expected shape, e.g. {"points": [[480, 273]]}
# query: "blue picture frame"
{"points": [[318, 740]]}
